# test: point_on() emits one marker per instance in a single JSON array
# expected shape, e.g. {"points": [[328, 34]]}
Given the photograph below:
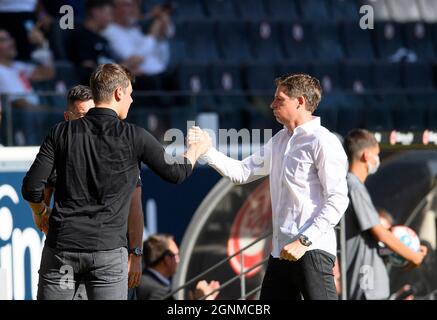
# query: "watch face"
{"points": [[138, 251]]}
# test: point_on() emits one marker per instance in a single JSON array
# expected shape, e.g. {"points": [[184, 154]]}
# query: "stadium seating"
{"points": [[388, 39], [251, 9], [326, 43], [285, 10], [189, 10], [357, 42], [357, 77], [344, 11], [219, 9], [329, 76], [418, 76], [387, 76], [199, 47], [314, 10], [264, 42], [419, 40], [233, 42], [296, 38]]}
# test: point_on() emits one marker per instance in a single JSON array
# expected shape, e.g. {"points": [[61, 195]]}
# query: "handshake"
{"points": [[198, 141]]}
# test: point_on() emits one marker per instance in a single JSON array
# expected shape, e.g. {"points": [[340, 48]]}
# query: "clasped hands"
{"points": [[199, 140]]}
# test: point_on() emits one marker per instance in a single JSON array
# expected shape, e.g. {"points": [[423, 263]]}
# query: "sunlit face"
{"points": [[79, 110], [284, 108]]}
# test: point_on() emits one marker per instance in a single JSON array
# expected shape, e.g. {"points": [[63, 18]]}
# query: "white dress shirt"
{"points": [[308, 185], [126, 42]]}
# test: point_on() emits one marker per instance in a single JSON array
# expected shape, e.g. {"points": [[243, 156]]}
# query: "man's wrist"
{"points": [[303, 239], [38, 209], [136, 251]]}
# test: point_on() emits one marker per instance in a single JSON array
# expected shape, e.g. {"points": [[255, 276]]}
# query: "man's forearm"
{"points": [[136, 220]]}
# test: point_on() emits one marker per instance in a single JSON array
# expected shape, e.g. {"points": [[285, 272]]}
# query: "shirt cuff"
{"points": [[312, 233], [210, 155]]}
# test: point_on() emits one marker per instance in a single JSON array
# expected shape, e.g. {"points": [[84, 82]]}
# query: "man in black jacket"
{"points": [[96, 159]]}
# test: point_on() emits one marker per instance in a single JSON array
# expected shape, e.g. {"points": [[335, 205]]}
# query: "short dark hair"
{"points": [[106, 78], [91, 4], [78, 93], [301, 84], [356, 141], [155, 248]]}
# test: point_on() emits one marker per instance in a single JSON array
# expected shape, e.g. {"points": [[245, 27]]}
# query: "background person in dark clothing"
{"points": [[96, 159], [161, 258], [87, 48]]}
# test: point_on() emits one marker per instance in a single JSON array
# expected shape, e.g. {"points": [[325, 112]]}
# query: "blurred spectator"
{"points": [[87, 48], [19, 18], [161, 258], [48, 16], [16, 78], [150, 51], [367, 276]]}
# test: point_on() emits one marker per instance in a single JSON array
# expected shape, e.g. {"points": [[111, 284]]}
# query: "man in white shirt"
{"points": [[127, 41], [307, 167], [16, 79]]}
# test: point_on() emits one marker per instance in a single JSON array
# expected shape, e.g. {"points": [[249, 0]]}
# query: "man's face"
{"points": [[7, 46], [103, 16], [124, 9], [79, 110], [370, 155], [173, 259], [284, 108], [125, 101]]}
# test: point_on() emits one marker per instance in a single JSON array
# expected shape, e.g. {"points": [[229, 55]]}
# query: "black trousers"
{"points": [[311, 277]]}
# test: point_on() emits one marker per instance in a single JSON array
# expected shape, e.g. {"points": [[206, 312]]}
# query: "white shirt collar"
{"points": [[308, 126]]}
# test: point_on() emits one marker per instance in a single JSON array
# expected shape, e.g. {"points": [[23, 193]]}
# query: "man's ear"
{"points": [[301, 101], [365, 155], [118, 93], [66, 116]]}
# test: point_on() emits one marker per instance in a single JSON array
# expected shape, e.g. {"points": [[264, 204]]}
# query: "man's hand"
{"points": [[134, 271], [41, 214], [204, 288], [199, 139], [293, 251], [419, 256]]}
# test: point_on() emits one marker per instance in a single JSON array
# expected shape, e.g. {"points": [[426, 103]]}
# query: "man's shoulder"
{"points": [[355, 185]]}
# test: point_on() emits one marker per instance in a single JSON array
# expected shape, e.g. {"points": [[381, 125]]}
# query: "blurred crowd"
{"points": [[104, 31]]}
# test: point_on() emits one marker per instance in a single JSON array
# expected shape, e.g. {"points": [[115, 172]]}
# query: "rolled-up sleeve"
{"points": [[38, 174], [332, 165]]}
